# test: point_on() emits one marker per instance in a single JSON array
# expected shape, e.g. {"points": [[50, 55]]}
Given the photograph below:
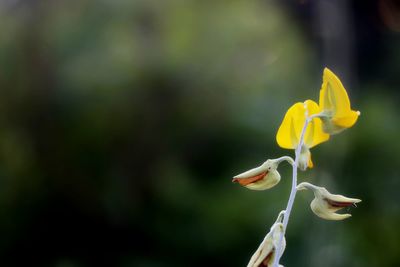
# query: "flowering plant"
{"points": [[304, 126]]}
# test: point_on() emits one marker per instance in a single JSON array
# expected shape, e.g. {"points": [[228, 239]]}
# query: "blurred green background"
{"points": [[122, 123]]}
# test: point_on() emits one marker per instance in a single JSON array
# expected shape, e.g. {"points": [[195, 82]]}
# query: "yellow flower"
{"points": [[325, 205], [289, 132], [260, 178], [335, 105], [266, 252]]}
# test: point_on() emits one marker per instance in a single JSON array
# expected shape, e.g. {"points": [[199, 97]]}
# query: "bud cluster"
{"points": [[305, 125]]}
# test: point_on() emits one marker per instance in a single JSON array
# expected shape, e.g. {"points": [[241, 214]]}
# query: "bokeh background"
{"points": [[122, 123]]}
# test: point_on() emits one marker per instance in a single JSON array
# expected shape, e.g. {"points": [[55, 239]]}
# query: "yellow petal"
{"points": [[289, 132], [310, 163], [348, 121], [314, 134], [333, 96], [335, 102]]}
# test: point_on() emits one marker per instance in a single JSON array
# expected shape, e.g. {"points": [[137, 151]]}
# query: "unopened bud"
{"points": [[260, 178], [325, 205], [266, 252]]}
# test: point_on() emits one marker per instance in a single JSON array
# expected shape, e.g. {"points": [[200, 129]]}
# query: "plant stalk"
{"points": [[293, 190]]}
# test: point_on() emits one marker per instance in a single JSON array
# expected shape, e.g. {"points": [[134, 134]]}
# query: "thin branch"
{"points": [[294, 185], [287, 158]]}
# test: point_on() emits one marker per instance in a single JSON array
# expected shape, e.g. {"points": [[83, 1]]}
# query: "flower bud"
{"points": [[325, 204], [266, 252], [260, 178], [305, 158]]}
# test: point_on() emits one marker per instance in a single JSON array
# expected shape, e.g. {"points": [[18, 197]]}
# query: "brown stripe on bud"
{"points": [[250, 180], [267, 259], [338, 204]]}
